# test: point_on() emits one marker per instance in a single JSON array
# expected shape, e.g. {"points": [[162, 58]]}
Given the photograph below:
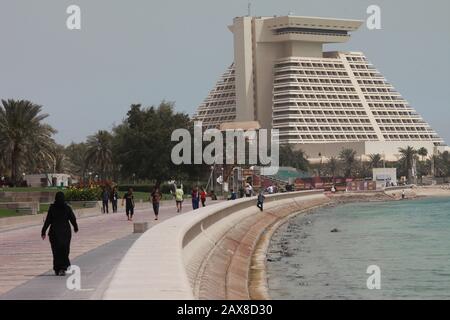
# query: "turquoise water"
{"points": [[408, 240]]}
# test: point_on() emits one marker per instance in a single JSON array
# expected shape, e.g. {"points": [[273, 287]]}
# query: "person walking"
{"points": [[203, 197], [179, 193], [59, 218], [248, 190], [114, 199], [261, 198], [156, 197], [195, 198], [128, 198], [105, 200]]}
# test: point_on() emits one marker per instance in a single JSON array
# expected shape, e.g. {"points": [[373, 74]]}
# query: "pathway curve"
{"points": [[26, 260]]}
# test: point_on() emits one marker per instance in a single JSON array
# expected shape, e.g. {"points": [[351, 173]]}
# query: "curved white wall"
{"points": [[163, 262]]}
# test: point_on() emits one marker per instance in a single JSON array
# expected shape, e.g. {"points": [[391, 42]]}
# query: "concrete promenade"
{"points": [[205, 254], [26, 260]]}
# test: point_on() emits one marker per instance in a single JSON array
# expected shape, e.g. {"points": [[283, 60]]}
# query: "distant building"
{"points": [[48, 180], [321, 102], [385, 177]]}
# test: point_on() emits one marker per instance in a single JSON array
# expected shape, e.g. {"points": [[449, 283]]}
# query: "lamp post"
{"points": [[223, 181]]}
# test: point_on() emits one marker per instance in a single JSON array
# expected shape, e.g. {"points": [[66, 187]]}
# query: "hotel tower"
{"points": [[321, 102]]}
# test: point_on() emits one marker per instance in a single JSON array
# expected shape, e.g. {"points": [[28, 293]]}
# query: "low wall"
{"points": [[21, 207], [169, 260], [36, 196], [22, 221]]}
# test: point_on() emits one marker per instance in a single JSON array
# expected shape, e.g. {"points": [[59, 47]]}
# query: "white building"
{"points": [[385, 177], [321, 102], [48, 180]]}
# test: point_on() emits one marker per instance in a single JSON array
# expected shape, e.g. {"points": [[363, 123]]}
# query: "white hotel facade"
{"points": [[321, 102]]}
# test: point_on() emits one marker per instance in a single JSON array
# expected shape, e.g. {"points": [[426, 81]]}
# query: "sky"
{"points": [[146, 51]]}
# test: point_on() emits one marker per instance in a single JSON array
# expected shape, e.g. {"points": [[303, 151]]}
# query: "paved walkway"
{"points": [[26, 260]]}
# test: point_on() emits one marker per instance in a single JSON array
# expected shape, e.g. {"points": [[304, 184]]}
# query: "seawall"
{"points": [[206, 254]]}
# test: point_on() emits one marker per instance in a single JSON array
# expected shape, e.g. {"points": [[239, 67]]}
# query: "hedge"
{"points": [[83, 194]]}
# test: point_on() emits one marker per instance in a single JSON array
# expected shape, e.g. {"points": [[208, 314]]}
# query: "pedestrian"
{"points": [[233, 195], [261, 199], [156, 197], [203, 197], [59, 218], [213, 196], [248, 190], [195, 198], [403, 195], [105, 200], [114, 199], [179, 193], [128, 198]]}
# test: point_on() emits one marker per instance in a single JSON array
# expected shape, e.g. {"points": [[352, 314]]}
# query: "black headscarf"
{"points": [[60, 200]]}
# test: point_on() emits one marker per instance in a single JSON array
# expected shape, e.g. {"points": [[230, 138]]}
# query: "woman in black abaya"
{"points": [[58, 218]]}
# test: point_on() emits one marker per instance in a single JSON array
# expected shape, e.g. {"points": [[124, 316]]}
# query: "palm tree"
{"points": [[348, 159], [407, 159], [99, 152], [75, 155], [423, 152], [333, 166], [23, 136], [442, 162], [375, 160]]}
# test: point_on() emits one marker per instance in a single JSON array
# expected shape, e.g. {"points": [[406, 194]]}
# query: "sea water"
{"points": [[408, 241]]}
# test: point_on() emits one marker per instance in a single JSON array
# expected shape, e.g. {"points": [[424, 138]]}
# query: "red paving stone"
{"points": [[23, 254]]}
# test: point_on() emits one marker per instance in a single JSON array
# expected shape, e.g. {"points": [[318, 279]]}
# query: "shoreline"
{"points": [[258, 278]]}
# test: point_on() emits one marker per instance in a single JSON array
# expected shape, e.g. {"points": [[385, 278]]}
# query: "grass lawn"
{"points": [[144, 196], [7, 213]]}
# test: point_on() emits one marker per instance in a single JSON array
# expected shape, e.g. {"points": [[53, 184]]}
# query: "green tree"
{"points": [[375, 161], [423, 152], [293, 158], [24, 137], [442, 164], [332, 166], [142, 143], [99, 153], [407, 156], [75, 155], [348, 159]]}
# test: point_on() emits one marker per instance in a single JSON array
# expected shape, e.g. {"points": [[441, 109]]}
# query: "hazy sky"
{"points": [[140, 51]]}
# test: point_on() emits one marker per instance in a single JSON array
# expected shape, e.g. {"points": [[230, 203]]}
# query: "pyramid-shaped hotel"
{"points": [[321, 102]]}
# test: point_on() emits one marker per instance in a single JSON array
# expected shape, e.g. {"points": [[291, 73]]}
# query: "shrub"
{"points": [[83, 194]]}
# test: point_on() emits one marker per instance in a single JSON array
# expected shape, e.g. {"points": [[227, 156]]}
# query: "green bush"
{"points": [[84, 194]]}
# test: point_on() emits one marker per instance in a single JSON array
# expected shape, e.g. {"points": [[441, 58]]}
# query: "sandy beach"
{"points": [[420, 191]]}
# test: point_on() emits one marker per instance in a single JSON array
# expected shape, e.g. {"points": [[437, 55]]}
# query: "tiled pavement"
{"points": [[24, 256]]}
